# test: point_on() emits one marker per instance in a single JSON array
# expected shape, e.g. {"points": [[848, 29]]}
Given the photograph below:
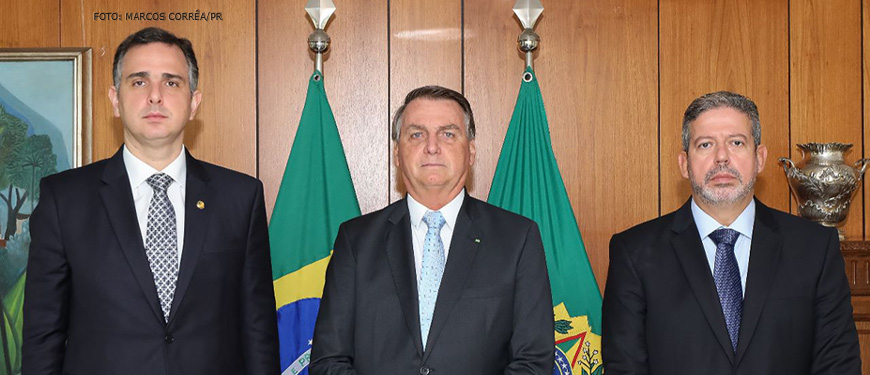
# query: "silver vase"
{"points": [[824, 185]]}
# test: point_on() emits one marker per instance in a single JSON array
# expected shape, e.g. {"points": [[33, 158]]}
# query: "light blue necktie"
{"points": [[726, 274], [431, 271]]}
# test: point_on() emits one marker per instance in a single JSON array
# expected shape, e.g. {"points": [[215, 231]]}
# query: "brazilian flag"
{"points": [[527, 181], [316, 196]]}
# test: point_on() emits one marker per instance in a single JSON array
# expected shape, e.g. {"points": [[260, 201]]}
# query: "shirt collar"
{"points": [[707, 224], [450, 211], [138, 171]]}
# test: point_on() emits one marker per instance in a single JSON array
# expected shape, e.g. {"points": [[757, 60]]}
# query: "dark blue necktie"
{"points": [[727, 277]]}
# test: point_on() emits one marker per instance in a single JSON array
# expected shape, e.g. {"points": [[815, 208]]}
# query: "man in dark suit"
{"points": [[150, 262], [438, 282], [726, 285]]}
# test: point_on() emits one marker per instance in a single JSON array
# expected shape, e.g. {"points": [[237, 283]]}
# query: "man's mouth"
{"points": [[155, 116]]}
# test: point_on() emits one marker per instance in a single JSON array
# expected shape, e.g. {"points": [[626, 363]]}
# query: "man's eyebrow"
{"points": [[138, 75], [173, 76], [448, 127], [144, 74]]}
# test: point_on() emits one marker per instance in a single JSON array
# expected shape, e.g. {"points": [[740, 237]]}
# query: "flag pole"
{"points": [[320, 11], [528, 11]]}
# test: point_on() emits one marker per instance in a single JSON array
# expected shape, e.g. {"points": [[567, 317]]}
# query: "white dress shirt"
{"points": [[743, 224], [138, 171], [419, 228]]}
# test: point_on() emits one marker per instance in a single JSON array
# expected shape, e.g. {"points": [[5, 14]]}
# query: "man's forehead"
{"points": [[425, 110], [721, 120], [167, 55]]}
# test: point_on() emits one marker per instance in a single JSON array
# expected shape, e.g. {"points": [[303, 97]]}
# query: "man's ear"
{"points": [[195, 99], [113, 97], [683, 162], [761, 156]]}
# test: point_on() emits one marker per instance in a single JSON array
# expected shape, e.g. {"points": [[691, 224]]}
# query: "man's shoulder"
{"points": [[497, 216], [788, 223], [371, 220], [652, 228], [87, 174], [224, 175]]}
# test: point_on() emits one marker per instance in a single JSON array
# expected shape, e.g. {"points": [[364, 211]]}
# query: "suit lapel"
{"points": [[400, 256], [195, 227], [118, 201], [463, 249], [763, 257], [690, 252]]}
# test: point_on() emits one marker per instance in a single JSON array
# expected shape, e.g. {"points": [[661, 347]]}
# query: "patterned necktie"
{"points": [[431, 271], [161, 241], [727, 277]]}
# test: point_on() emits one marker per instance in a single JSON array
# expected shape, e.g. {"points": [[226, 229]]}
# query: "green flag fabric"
{"points": [[315, 197], [527, 181]]}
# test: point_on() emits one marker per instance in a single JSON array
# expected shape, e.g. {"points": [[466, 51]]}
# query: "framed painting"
{"points": [[45, 128]]}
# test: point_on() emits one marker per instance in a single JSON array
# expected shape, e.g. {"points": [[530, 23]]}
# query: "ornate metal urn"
{"points": [[825, 185]]}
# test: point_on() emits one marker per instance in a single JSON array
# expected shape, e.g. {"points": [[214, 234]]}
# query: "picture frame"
{"points": [[46, 121]]}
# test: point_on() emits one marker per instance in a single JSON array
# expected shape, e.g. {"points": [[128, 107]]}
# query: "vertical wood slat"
{"points": [[826, 98], [224, 130], [592, 56], [864, 342], [740, 46], [865, 131], [29, 24], [425, 49], [355, 75]]}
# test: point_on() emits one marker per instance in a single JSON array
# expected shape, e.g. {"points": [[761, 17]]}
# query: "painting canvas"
{"points": [[44, 128]]}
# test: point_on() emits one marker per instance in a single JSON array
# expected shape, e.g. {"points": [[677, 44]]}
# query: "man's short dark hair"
{"points": [[435, 93], [150, 35], [721, 99]]}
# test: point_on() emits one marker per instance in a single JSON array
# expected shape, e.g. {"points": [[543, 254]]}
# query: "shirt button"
{"points": [[424, 370], [169, 339]]}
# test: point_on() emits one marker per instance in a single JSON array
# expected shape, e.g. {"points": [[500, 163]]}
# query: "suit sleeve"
{"points": [[332, 351], [531, 345], [47, 290], [259, 321], [624, 348], [835, 349]]}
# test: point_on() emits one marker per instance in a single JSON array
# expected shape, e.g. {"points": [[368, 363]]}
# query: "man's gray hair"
{"points": [[150, 35], [435, 93], [721, 99]]}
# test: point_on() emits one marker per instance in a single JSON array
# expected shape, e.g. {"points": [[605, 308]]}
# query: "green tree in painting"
{"points": [[23, 162], [31, 162], [13, 133]]}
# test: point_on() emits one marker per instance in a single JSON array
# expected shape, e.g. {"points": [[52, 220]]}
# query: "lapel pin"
{"points": [[477, 240], [200, 205]]}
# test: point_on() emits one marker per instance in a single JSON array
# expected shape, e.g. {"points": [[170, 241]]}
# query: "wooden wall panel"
{"points": [[28, 24], [826, 98], [224, 130], [865, 70], [425, 49], [356, 78], [493, 73], [592, 55], [739, 46], [864, 338]]}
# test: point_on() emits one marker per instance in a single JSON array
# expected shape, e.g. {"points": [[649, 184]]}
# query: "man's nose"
{"points": [[432, 145], [155, 96], [722, 156]]}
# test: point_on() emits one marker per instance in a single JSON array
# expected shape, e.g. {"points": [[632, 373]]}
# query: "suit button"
{"points": [[424, 370], [169, 339]]}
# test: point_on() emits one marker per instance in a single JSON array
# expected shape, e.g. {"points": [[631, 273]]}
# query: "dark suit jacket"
{"points": [[662, 313], [494, 313], [91, 307]]}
